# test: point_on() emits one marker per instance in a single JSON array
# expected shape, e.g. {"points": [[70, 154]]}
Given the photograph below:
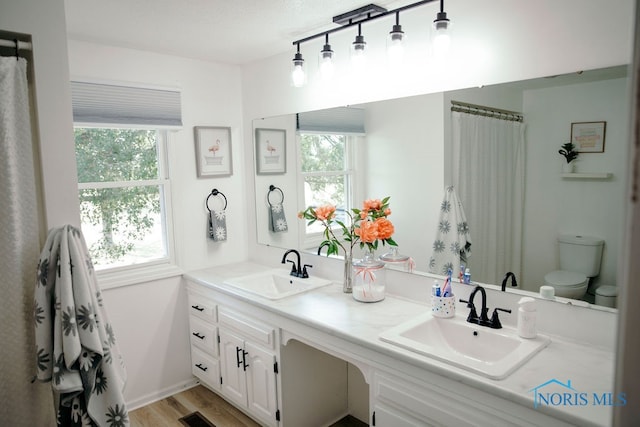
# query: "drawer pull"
{"points": [[197, 307], [203, 368], [238, 350], [197, 335]]}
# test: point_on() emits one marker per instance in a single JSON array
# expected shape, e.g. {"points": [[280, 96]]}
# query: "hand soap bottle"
{"points": [[527, 318]]}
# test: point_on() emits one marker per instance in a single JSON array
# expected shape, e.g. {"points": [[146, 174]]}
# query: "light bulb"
{"points": [[442, 34], [395, 45], [327, 67], [297, 74]]}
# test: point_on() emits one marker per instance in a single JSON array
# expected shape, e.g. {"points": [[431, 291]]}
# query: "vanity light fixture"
{"points": [[298, 77], [442, 32], [326, 59], [395, 42], [358, 17]]}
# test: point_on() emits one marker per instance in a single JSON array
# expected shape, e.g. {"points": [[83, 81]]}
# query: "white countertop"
{"points": [[590, 369]]}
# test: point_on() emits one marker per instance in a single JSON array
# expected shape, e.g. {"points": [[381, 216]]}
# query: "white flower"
{"points": [[276, 208], [220, 214], [221, 233], [281, 225], [85, 360]]}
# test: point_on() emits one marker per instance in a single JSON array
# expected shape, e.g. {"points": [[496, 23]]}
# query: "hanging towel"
{"points": [[75, 344], [452, 245], [218, 225], [277, 221]]}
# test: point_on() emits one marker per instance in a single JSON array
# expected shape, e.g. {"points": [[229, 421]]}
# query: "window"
{"points": [[327, 170], [123, 190]]}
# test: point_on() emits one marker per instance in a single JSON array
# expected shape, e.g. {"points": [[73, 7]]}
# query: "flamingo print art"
{"points": [[214, 148], [270, 148]]}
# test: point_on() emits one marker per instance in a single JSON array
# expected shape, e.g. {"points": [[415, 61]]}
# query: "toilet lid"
{"points": [[565, 278]]}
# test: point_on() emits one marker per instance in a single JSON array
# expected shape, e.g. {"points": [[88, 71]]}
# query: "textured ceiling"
{"points": [[229, 31]]}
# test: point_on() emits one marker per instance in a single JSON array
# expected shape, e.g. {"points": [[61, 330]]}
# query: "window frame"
{"points": [[160, 268], [352, 173]]}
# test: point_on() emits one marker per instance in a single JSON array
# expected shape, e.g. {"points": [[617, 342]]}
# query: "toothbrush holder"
{"points": [[443, 306]]}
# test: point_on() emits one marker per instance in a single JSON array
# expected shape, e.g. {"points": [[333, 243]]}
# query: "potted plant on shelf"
{"points": [[569, 153]]}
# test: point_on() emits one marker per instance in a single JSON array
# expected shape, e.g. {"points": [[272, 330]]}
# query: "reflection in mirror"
{"points": [[406, 153]]}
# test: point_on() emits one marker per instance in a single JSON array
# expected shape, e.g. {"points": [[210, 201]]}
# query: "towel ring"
{"points": [[271, 189], [215, 192]]}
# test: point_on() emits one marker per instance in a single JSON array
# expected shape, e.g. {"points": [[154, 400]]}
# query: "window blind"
{"points": [[334, 120], [113, 104]]}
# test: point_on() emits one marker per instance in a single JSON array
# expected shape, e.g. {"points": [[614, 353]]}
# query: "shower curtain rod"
{"points": [[481, 110], [22, 45]]}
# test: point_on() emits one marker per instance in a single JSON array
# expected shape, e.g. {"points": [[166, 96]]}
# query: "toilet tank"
{"points": [[581, 254]]}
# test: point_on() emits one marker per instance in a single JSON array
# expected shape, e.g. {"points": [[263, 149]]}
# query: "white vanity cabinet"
{"points": [[203, 334], [248, 365]]}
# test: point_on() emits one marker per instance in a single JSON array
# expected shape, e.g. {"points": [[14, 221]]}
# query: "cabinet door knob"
{"points": [[197, 307], [197, 335], [204, 368]]}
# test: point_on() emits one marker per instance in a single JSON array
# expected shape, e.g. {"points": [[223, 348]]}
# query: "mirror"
{"points": [[405, 154]]}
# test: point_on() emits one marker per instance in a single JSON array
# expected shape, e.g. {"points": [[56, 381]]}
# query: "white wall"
{"points": [[589, 207], [405, 144], [150, 319]]}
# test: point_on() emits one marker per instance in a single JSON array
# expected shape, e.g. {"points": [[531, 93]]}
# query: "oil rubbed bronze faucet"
{"points": [[483, 319], [514, 283]]}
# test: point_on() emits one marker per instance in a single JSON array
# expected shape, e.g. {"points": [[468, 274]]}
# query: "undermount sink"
{"points": [[276, 284], [493, 353]]}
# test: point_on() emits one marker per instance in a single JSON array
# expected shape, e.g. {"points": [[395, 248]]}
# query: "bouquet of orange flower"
{"points": [[367, 226]]}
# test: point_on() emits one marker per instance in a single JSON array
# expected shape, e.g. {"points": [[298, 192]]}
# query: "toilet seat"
{"points": [[568, 284]]}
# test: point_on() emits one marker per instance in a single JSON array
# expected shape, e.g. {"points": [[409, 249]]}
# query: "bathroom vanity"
{"points": [[289, 362]]}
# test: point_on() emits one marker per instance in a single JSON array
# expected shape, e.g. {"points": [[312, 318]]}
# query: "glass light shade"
{"points": [[326, 61], [395, 44], [298, 76], [358, 48], [441, 34]]}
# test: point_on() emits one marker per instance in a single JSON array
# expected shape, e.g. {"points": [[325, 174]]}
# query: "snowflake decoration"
{"points": [[101, 382], [455, 248], [110, 335], [106, 353], [221, 233], [58, 369], [87, 318], [438, 246], [86, 360], [220, 215], [276, 208], [445, 206], [43, 272], [42, 359], [463, 228], [281, 225], [445, 268], [444, 226], [69, 322], [38, 315], [117, 417]]}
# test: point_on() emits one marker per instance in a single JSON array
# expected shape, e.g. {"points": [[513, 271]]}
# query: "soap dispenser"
{"points": [[527, 318]]}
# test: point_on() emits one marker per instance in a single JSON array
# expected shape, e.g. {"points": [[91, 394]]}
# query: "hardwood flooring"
{"points": [[167, 412]]}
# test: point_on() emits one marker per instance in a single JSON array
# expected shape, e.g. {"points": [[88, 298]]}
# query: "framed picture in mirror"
{"points": [[213, 151], [588, 137], [270, 151]]}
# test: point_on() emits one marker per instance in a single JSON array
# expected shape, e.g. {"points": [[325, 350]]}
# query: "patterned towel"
{"points": [[218, 225], [277, 221], [453, 241], [75, 345]]}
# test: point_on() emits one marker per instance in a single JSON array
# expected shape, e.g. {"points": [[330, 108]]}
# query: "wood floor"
{"points": [[167, 412]]}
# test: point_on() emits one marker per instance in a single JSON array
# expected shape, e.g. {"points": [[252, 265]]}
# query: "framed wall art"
{"points": [[213, 151], [588, 137], [271, 151]]}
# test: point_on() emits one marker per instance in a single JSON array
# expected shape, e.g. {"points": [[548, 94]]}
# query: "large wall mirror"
{"points": [[406, 153]]}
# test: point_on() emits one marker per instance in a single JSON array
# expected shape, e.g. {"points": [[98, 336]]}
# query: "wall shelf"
{"points": [[591, 175]]}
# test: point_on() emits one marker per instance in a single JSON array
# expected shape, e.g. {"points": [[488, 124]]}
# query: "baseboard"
{"points": [[161, 394]]}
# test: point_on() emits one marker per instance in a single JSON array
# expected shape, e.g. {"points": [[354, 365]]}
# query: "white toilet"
{"points": [[580, 258]]}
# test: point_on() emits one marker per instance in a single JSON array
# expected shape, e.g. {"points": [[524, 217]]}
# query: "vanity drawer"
{"points": [[202, 307], [203, 335], [258, 333], [205, 367]]}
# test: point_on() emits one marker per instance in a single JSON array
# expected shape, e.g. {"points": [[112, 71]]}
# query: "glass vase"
{"points": [[347, 287], [369, 282]]}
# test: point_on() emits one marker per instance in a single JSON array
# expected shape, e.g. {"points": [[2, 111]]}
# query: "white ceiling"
{"points": [[228, 31]]}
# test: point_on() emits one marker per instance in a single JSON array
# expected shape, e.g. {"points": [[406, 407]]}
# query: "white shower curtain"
{"points": [[22, 403], [488, 172]]}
